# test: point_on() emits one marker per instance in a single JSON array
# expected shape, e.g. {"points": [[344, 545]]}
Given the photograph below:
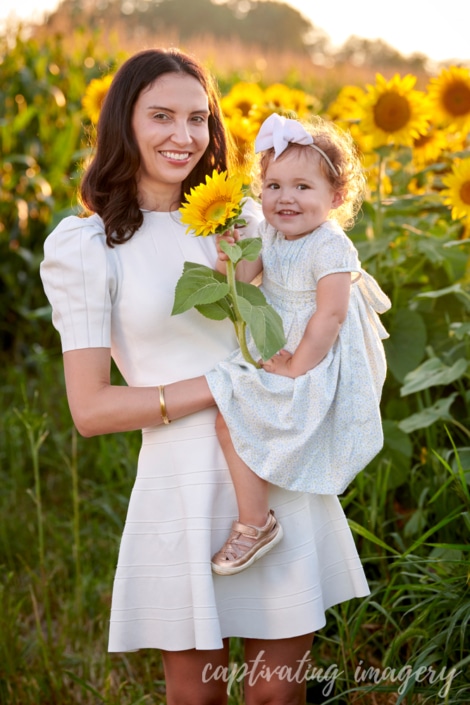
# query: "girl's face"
{"points": [[170, 125], [296, 196]]}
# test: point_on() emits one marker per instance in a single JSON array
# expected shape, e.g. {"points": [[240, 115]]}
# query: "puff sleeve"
{"points": [[79, 275], [334, 252]]}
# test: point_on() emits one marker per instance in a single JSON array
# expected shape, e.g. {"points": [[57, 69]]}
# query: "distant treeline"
{"points": [[267, 24]]}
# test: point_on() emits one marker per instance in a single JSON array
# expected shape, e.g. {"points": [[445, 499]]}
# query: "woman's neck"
{"points": [[163, 200]]}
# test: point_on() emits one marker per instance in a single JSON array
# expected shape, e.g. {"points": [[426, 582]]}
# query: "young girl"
{"points": [[309, 420]]}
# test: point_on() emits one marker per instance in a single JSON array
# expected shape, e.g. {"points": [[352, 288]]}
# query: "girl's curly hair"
{"points": [[340, 148]]}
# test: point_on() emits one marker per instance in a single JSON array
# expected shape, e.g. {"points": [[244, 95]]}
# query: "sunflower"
{"points": [[450, 96], [457, 193], [347, 105], [241, 99], [94, 95], [243, 131], [393, 112], [214, 206], [427, 148]]}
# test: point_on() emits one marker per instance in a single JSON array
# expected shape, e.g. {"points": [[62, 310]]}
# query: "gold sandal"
{"points": [[245, 545]]}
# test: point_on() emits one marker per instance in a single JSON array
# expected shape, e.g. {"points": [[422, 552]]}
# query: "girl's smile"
{"points": [[296, 196]]}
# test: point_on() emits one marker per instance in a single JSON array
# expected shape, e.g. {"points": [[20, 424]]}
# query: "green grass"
{"points": [[63, 504]]}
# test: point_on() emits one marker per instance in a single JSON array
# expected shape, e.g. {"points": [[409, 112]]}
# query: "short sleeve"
{"points": [[253, 215], [334, 252], [79, 278]]}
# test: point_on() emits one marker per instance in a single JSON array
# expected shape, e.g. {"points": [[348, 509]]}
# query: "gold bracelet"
{"points": [[163, 410]]}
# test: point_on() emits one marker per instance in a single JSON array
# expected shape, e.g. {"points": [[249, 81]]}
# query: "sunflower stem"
{"points": [[239, 323], [379, 208]]}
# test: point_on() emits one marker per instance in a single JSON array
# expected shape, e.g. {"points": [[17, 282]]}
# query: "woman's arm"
{"points": [[98, 407], [322, 329]]}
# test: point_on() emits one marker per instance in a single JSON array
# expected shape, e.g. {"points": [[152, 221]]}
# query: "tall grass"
{"points": [[63, 504]]}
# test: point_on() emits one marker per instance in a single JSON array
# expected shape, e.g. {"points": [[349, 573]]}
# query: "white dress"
{"points": [[313, 433], [182, 504]]}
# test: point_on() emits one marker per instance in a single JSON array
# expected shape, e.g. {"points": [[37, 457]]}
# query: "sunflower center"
{"points": [[244, 106], [421, 141], [391, 112], [456, 98], [216, 211], [465, 193]]}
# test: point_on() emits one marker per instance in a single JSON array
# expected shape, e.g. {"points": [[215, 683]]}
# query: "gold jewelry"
{"points": [[163, 410]]}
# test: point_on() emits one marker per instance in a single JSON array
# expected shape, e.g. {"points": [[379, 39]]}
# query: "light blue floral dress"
{"points": [[316, 432]]}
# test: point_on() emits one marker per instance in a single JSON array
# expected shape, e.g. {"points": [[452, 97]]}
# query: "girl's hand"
{"points": [[280, 364], [231, 237]]}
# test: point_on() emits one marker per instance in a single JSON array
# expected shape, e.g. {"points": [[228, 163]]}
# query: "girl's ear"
{"points": [[338, 199]]}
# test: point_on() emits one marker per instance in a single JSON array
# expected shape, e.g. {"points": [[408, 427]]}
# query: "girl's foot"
{"points": [[245, 545]]}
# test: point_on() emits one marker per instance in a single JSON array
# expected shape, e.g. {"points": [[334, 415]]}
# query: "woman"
{"points": [[111, 278]]}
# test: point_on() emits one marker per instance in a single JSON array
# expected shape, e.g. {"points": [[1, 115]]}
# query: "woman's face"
{"points": [[171, 128]]}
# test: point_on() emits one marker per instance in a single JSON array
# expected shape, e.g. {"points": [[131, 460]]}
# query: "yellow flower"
{"points": [[280, 98], [243, 131], [450, 96], [213, 206], [427, 148], [241, 99], [94, 96], [457, 193], [393, 112], [347, 105]]}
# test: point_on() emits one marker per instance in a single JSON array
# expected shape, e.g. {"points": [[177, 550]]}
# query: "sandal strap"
{"points": [[235, 546]]}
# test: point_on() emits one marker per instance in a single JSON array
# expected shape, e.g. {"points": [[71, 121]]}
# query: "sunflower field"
{"points": [[63, 498]]}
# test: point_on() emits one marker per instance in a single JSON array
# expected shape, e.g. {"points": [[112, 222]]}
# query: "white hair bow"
{"points": [[278, 132]]}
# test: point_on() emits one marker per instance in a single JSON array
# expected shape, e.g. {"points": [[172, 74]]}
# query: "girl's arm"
{"points": [[99, 407], [322, 329], [245, 271]]}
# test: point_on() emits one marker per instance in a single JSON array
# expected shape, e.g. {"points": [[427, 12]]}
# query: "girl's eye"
{"points": [[302, 187], [273, 186]]}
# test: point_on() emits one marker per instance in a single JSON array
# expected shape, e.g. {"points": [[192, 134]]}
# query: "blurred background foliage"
{"points": [[64, 498]]}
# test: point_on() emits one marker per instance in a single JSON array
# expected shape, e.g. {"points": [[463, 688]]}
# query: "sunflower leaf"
{"points": [[432, 373], [233, 251], [216, 311], [440, 411], [251, 247], [198, 285], [264, 322]]}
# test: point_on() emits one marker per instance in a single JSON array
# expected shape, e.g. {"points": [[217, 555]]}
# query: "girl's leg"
{"points": [[196, 677], [277, 670], [251, 491], [257, 530]]}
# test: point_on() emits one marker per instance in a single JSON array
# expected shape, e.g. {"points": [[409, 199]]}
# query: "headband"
{"points": [[278, 132]]}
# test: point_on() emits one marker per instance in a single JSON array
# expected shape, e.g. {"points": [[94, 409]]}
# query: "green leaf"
{"points": [[233, 251], [395, 439], [216, 311], [198, 285], [460, 330], [251, 292], [251, 248], [407, 343], [425, 418], [431, 373], [264, 322], [454, 289]]}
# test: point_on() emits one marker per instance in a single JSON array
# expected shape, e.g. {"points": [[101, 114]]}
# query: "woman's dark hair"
{"points": [[109, 185]]}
